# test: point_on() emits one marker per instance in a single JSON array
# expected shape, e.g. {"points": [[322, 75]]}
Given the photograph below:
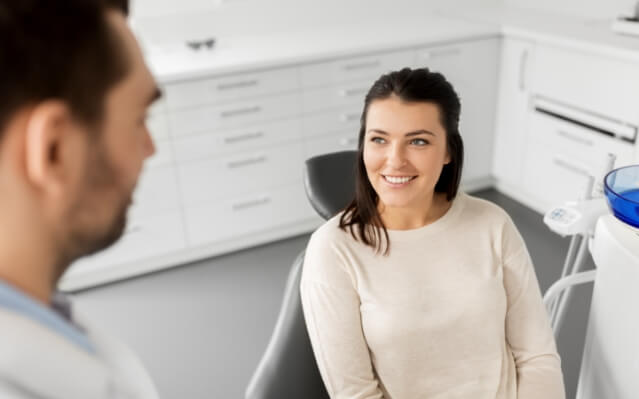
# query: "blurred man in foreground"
{"points": [[73, 140]]}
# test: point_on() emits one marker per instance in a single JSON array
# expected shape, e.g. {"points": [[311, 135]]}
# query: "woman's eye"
{"points": [[378, 140], [419, 142]]}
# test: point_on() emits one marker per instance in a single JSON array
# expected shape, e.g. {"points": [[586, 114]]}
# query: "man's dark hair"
{"points": [[410, 85], [59, 49]]}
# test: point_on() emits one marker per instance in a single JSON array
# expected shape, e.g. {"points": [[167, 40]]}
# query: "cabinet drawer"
{"points": [[203, 181], [594, 83], [156, 191], [147, 237], [345, 94], [247, 214], [203, 146], [552, 177], [368, 67], [331, 143], [337, 120], [231, 87], [578, 142], [245, 113]]}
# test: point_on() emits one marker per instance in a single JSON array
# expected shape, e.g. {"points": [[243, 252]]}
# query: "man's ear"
{"points": [[49, 129]]}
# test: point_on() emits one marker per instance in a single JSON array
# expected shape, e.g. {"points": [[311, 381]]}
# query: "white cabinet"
{"points": [[471, 67], [601, 85], [578, 115], [513, 99]]}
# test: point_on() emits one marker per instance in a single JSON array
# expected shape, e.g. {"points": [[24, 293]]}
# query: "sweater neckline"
{"points": [[431, 228]]}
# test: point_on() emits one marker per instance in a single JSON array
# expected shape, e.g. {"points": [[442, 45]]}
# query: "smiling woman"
{"points": [[416, 290], [409, 149]]}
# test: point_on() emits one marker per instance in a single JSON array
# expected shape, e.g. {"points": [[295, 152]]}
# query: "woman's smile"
{"points": [[398, 181]]}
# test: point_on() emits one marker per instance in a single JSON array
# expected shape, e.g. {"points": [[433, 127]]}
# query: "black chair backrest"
{"points": [[288, 369]]}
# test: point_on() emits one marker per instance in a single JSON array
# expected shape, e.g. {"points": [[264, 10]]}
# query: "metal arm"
{"points": [[557, 288]]}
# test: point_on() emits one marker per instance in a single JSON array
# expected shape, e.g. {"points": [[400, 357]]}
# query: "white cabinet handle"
{"points": [[243, 137], [575, 138], [241, 111], [573, 167], [439, 53], [362, 65], [238, 206], [349, 117], [246, 162], [237, 85], [523, 61], [352, 92]]}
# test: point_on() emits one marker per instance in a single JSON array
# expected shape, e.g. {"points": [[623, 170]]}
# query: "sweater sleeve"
{"points": [[528, 330], [332, 312]]}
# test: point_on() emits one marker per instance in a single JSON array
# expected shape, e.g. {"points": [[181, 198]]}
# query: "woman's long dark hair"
{"points": [[361, 216]]}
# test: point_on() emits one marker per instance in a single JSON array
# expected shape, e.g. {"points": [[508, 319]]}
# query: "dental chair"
{"points": [[288, 369]]}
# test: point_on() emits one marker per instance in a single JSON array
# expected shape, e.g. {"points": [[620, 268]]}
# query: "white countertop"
{"points": [[592, 35], [174, 61]]}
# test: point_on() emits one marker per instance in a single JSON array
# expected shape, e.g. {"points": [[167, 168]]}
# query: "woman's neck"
{"points": [[408, 218]]}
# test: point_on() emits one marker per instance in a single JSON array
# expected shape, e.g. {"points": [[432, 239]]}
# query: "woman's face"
{"points": [[404, 151]]}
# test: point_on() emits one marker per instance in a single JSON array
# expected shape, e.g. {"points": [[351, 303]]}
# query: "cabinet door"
{"points": [[471, 68], [513, 100], [512, 110]]}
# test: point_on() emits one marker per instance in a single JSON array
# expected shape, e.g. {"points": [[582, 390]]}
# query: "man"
{"points": [[74, 94]]}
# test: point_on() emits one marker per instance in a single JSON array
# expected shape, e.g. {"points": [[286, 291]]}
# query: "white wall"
{"points": [[592, 9], [176, 20]]}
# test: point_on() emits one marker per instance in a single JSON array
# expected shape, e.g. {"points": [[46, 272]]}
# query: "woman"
{"points": [[416, 290]]}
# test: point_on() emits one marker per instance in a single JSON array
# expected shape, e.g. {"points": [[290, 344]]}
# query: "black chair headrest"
{"points": [[329, 180]]}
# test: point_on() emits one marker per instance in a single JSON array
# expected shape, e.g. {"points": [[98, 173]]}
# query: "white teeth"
{"points": [[397, 180]]}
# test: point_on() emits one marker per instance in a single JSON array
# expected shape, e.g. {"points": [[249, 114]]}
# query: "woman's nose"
{"points": [[396, 157]]}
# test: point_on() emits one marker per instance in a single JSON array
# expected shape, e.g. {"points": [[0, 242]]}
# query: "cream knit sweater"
{"points": [[454, 311]]}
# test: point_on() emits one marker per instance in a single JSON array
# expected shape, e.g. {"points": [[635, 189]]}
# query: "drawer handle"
{"points": [[243, 137], [440, 53], [241, 111], [571, 166], [251, 204], [348, 142], [362, 65], [349, 117], [237, 85], [574, 138], [246, 162], [352, 92]]}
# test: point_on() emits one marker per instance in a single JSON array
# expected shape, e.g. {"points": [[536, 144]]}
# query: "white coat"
{"points": [[37, 363]]}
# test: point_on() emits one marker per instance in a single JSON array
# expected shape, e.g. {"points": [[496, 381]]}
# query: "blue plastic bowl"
{"points": [[621, 187]]}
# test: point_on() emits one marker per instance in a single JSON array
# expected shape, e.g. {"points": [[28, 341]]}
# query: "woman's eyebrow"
{"points": [[413, 133]]}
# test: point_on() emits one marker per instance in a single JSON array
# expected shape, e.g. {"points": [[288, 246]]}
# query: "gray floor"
{"points": [[201, 328]]}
